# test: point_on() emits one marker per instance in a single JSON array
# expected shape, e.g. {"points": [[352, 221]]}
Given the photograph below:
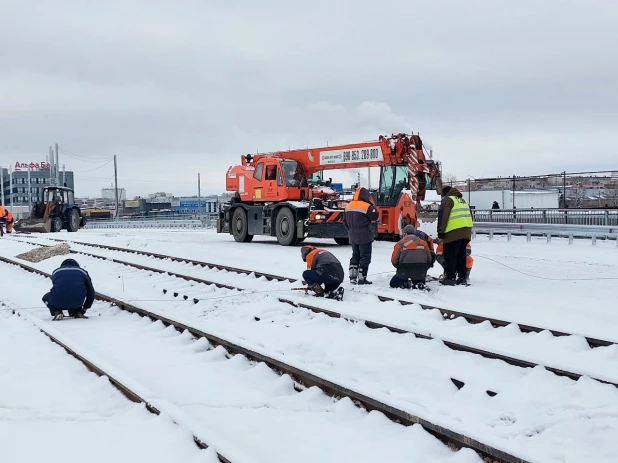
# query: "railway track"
{"points": [[131, 393], [372, 324], [447, 314], [304, 378]]}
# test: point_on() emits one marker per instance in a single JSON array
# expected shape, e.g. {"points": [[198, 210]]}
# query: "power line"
{"points": [[96, 168], [81, 158]]}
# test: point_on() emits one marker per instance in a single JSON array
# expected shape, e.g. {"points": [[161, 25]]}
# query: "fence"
{"points": [[599, 217], [597, 189], [207, 222]]}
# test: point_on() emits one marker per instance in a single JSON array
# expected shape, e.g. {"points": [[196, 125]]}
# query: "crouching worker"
{"points": [[412, 258], [323, 268], [442, 262], [72, 290]]}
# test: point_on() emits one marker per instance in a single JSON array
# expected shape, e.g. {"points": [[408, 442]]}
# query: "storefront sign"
{"points": [[32, 165]]}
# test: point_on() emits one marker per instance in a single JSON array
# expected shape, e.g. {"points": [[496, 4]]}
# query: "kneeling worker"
{"points": [[442, 262], [412, 258], [322, 268], [72, 290]]}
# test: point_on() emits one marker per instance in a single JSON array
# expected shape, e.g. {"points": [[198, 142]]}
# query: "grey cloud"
{"points": [[179, 87]]}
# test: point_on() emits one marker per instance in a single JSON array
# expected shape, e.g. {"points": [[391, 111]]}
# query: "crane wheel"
{"points": [[240, 226], [285, 227]]}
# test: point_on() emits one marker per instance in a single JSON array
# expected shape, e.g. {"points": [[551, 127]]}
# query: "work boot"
{"points": [[79, 314], [418, 285], [58, 315], [406, 284], [463, 281], [317, 289], [362, 277], [448, 282], [337, 294], [353, 274]]}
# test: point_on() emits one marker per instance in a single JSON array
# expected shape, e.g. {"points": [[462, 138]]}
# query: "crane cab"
{"points": [[268, 179]]}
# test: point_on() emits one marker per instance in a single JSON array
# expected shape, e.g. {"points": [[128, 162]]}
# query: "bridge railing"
{"points": [[598, 217]]}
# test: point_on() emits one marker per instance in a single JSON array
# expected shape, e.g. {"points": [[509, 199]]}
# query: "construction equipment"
{"points": [[54, 212], [283, 194]]}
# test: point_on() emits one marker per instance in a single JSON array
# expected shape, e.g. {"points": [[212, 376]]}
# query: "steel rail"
{"points": [[258, 274], [119, 385], [308, 379], [446, 313], [368, 323]]}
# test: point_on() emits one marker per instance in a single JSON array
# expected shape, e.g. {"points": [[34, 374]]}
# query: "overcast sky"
{"points": [[175, 88]]}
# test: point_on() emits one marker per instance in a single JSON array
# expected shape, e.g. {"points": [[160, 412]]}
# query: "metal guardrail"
{"points": [[547, 230], [167, 223], [600, 217]]}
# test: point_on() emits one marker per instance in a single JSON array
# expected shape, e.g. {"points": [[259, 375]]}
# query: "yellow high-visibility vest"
{"points": [[460, 216]]}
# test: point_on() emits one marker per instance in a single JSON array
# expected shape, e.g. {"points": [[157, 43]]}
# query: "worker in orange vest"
{"points": [[323, 268], [9, 220], [442, 262]]}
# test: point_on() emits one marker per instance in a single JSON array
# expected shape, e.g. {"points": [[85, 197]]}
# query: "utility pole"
{"points": [[2, 182], [64, 176], [116, 185], [469, 190], [50, 159], [57, 171], [513, 192], [29, 194], [369, 178], [564, 201], [11, 187], [199, 197]]}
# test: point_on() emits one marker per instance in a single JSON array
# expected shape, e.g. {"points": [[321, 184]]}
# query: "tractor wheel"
{"points": [[56, 224], [286, 227], [74, 219], [240, 226], [342, 241]]}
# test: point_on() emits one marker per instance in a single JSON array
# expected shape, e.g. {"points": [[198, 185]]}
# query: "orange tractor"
{"points": [[282, 194]]}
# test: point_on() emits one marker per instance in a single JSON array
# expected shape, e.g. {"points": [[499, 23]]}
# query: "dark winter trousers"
{"points": [[455, 258], [312, 277], [361, 255], [417, 273], [53, 309]]}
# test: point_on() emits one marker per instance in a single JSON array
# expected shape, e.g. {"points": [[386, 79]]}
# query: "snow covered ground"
{"points": [[568, 287], [246, 403], [52, 409], [546, 416]]}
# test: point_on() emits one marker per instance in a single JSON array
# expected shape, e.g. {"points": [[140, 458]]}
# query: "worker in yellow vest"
{"points": [[455, 231]]}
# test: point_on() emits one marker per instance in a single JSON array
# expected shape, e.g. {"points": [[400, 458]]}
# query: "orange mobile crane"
{"points": [[273, 195]]}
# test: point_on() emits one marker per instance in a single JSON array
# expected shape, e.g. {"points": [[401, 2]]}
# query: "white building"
{"points": [[110, 193], [524, 199]]}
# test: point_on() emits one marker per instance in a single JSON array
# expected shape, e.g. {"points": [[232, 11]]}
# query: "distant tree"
{"points": [[449, 179]]}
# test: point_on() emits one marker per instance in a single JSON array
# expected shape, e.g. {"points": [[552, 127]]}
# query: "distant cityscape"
{"points": [[566, 190]]}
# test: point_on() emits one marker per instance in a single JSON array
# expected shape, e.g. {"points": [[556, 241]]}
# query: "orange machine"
{"points": [[281, 194]]}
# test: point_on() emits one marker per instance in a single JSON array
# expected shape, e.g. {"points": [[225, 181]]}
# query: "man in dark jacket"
{"points": [[322, 268], [357, 219], [72, 290], [455, 231], [412, 257]]}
